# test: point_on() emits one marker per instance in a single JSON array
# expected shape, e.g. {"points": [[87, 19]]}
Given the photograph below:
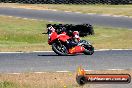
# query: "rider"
{"points": [[72, 43], [74, 39]]}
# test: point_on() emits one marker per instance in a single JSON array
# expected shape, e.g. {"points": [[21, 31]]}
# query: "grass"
{"points": [[20, 34], [40, 80], [107, 37], [26, 35], [125, 10], [49, 79], [6, 84]]}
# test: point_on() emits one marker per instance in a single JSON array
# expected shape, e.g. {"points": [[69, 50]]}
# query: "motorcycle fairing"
{"points": [[76, 49], [52, 37]]}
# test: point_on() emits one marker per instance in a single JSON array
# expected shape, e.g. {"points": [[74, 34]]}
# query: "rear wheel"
{"points": [[59, 49]]}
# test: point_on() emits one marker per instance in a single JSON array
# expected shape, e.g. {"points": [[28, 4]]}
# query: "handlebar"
{"points": [[44, 33]]}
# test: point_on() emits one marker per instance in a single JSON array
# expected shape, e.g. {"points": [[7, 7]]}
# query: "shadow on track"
{"points": [[56, 55], [47, 55]]}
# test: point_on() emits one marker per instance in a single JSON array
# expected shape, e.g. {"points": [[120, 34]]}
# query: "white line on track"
{"points": [[95, 50], [89, 70], [15, 17], [14, 73], [39, 72], [112, 49], [53, 51], [51, 21], [42, 51], [91, 13], [25, 18], [77, 12], [115, 69], [10, 16], [69, 71], [117, 15], [67, 11], [53, 9], [62, 71], [105, 15], [12, 52], [28, 18]]}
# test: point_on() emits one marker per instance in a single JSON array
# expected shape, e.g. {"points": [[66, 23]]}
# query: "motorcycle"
{"points": [[60, 47]]}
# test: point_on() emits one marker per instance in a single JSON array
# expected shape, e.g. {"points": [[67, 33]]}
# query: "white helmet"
{"points": [[51, 28]]}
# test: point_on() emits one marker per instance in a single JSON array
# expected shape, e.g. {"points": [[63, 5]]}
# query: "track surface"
{"points": [[49, 61], [69, 17]]}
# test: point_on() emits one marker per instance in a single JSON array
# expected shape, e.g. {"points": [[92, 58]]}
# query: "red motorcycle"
{"points": [[60, 44]]}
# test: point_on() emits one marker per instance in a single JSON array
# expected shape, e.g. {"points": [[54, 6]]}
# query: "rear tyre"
{"points": [[59, 49], [89, 50]]}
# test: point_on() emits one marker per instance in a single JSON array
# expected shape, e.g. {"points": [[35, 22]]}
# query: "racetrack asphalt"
{"points": [[68, 17], [49, 61]]}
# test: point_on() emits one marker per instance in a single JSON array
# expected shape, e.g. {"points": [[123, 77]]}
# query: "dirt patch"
{"points": [[41, 80], [27, 6]]}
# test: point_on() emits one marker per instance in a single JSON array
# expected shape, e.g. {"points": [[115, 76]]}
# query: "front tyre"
{"points": [[89, 50], [59, 49]]}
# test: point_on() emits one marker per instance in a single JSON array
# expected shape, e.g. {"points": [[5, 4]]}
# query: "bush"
{"points": [[83, 29]]}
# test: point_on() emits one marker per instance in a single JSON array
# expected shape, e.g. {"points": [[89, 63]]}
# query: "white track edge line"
{"points": [[66, 71], [62, 71], [116, 69], [95, 50], [53, 51], [12, 52]]}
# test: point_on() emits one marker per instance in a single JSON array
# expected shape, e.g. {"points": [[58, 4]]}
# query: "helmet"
{"points": [[76, 34], [50, 28]]}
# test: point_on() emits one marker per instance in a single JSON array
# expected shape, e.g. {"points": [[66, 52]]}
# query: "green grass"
{"points": [[6, 84], [17, 34], [26, 35], [109, 38]]}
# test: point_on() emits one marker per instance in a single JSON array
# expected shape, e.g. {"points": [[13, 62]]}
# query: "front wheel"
{"points": [[59, 49], [89, 50]]}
